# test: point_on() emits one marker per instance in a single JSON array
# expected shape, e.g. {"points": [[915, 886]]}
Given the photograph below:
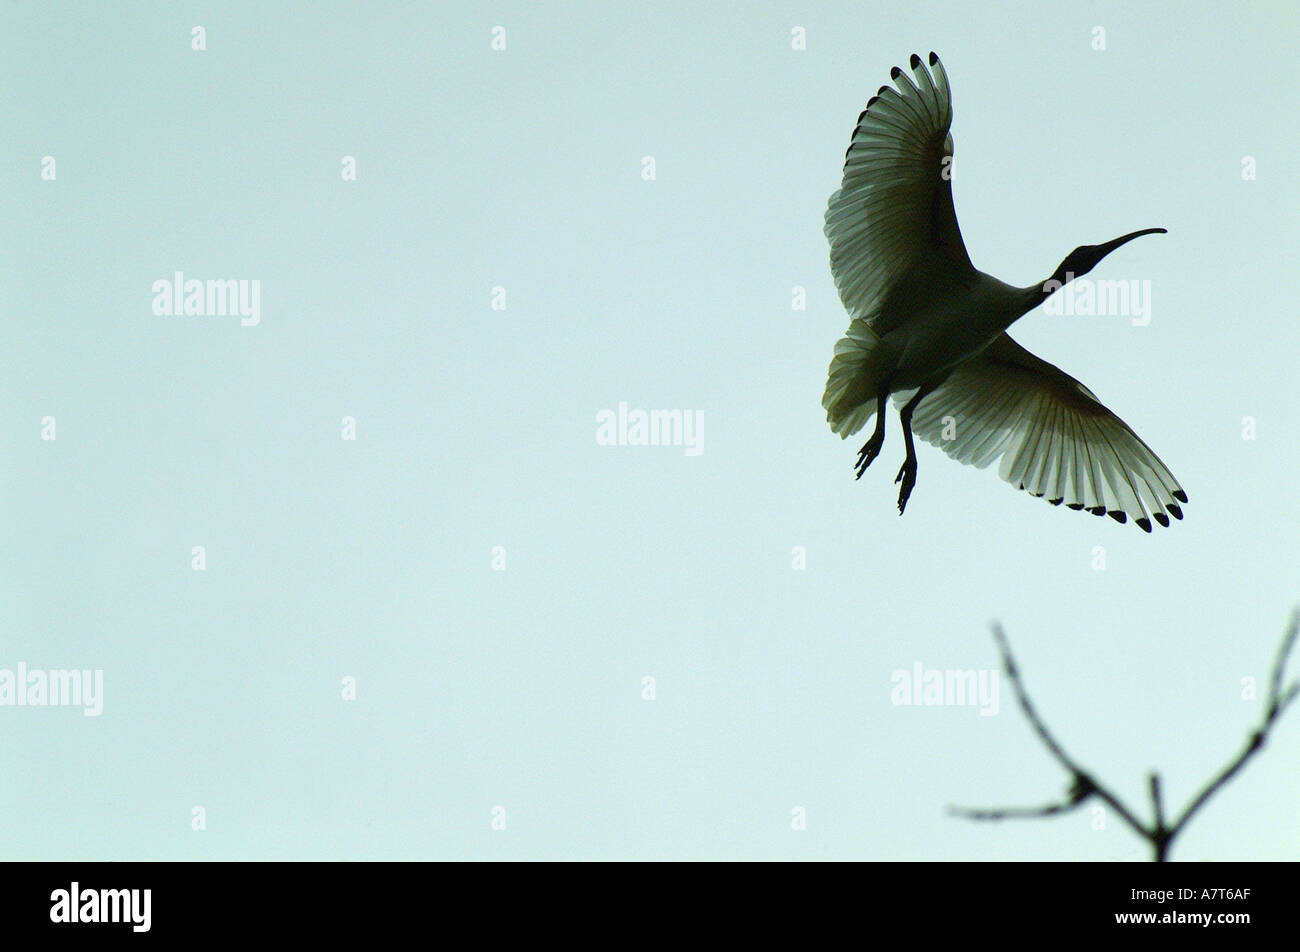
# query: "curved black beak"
{"points": [[1108, 247], [1084, 258]]}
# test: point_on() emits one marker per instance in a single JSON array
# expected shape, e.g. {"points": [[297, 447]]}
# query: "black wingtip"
{"points": [[895, 73], [1162, 519], [1118, 516], [881, 91], [1057, 502], [1076, 506], [1143, 524], [1180, 496], [1174, 510], [1098, 510], [915, 61], [933, 58]]}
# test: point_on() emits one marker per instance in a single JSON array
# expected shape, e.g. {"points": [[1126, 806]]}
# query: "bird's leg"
{"points": [[907, 472], [871, 449]]}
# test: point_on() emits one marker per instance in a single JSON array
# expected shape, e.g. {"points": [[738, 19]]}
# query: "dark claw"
{"points": [[907, 476], [870, 450]]}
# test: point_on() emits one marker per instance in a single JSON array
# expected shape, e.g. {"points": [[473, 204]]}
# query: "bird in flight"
{"points": [[929, 329]]}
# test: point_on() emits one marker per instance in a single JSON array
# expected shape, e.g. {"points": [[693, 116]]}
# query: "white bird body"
{"points": [[930, 330], [947, 329]]}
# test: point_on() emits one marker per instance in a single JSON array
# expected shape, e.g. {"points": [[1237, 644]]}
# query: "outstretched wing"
{"points": [[894, 207], [1053, 435]]}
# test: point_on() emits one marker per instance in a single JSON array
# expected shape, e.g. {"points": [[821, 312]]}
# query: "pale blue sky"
{"points": [[476, 428]]}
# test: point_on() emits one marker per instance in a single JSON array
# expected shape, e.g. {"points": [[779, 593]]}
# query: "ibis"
{"points": [[930, 330]]}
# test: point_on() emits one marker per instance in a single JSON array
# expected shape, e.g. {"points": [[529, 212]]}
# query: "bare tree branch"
{"points": [[1077, 796], [1083, 786]]}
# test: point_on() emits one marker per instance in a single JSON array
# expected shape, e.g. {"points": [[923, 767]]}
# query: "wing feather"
{"points": [[1054, 437], [893, 211]]}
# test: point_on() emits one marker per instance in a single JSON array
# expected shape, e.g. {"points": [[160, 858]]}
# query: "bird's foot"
{"points": [[906, 476], [870, 450]]}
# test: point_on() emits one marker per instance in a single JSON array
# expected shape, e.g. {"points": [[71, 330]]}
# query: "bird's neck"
{"points": [[1059, 279], [1025, 300], [993, 306]]}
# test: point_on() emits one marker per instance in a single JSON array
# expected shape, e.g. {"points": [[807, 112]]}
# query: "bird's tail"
{"points": [[856, 373]]}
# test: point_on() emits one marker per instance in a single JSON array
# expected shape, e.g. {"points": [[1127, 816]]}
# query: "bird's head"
{"points": [[1085, 257]]}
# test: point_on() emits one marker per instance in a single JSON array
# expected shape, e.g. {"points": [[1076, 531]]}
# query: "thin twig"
{"points": [[1077, 798], [1278, 701], [1082, 784], [1156, 807], [1160, 834]]}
